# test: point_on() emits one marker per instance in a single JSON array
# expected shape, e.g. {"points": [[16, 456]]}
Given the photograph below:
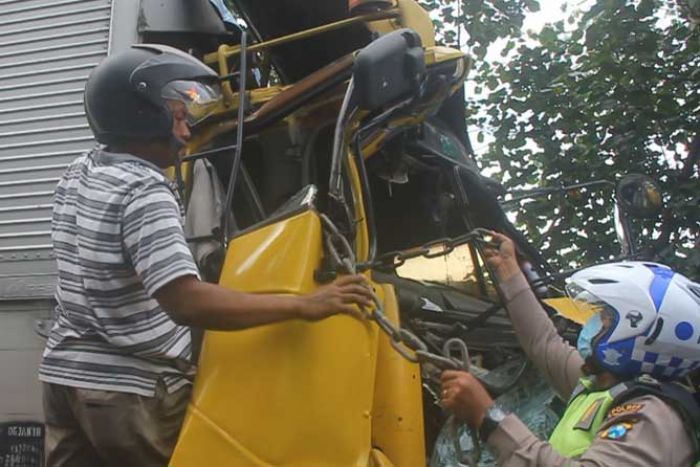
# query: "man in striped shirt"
{"points": [[117, 368]]}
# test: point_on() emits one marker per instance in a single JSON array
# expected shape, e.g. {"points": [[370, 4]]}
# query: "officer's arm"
{"points": [[555, 359], [643, 431]]}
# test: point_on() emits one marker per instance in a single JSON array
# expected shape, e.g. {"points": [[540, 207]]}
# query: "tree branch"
{"points": [[664, 240], [693, 159]]}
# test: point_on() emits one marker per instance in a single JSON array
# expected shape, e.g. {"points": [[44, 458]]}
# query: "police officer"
{"points": [[623, 408]]}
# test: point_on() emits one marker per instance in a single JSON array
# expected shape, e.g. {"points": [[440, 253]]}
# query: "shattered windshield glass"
{"points": [[533, 400]]}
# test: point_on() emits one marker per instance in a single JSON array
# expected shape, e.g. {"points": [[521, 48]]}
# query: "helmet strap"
{"points": [[592, 366], [175, 147]]}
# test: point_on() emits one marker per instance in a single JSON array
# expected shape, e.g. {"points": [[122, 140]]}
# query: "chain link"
{"points": [[432, 249]]}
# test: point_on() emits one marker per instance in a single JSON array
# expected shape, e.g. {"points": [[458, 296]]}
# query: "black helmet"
{"points": [[125, 94]]}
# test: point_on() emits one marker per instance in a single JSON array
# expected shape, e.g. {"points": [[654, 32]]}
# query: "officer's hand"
{"points": [[340, 296], [464, 396], [502, 260]]}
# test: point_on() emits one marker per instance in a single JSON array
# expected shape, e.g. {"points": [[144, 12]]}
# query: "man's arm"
{"points": [[559, 363], [192, 302], [154, 244]]}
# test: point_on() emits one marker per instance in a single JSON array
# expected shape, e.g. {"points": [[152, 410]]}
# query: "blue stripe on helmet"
{"points": [[659, 286]]}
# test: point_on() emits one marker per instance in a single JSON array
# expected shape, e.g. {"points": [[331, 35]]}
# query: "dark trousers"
{"points": [[88, 428]]}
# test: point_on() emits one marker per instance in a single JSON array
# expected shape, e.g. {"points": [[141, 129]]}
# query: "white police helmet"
{"points": [[647, 318]]}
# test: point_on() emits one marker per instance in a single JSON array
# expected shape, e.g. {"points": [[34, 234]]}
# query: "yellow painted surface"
{"points": [[185, 167], [379, 459], [397, 418], [415, 17], [440, 54], [231, 50], [294, 393], [411, 15], [568, 309]]}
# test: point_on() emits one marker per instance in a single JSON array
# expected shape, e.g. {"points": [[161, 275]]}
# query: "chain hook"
{"points": [[457, 351]]}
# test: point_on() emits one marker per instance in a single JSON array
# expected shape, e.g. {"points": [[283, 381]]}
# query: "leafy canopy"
{"points": [[612, 90]]}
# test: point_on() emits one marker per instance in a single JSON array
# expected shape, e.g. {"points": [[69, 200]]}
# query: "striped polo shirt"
{"points": [[118, 237]]}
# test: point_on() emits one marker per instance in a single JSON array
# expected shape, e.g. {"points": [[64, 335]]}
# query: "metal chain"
{"points": [[407, 344], [445, 246]]}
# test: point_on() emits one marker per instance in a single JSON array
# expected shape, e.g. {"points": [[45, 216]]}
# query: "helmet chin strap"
{"points": [[176, 145], [592, 366]]}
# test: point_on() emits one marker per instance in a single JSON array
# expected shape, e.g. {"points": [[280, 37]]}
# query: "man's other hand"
{"points": [[340, 296], [465, 397]]}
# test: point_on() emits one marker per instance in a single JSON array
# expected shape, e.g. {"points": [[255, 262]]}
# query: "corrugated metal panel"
{"points": [[47, 49], [20, 354]]}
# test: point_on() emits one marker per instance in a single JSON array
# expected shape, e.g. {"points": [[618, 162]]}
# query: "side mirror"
{"points": [[639, 196], [636, 196], [388, 68]]}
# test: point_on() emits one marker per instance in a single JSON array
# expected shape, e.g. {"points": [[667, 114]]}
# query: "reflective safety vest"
{"points": [[587, 409], [584, 414]]}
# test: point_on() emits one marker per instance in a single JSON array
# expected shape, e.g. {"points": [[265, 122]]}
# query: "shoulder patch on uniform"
{"points": [[586, 421], [625, 409], [617, 431]]}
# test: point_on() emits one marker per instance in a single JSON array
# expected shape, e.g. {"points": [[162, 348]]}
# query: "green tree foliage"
{"points": [[485, 21], [613, 90]]}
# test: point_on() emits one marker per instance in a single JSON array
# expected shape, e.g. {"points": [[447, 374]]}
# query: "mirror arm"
{"points": [[538, 192], [243, 69], [624, 232], [366, 196], [334, 185]]}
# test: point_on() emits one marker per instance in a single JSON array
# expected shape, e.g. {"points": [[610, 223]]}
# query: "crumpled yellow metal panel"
{"points": [[294, 393], [397, 418]]}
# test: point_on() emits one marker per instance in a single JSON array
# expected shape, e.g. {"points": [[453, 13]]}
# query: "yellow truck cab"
{"points": [[339, 145]]}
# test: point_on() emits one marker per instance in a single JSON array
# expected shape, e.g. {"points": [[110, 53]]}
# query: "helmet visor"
{"points": [[586, 302], [601, 316], [201, 100]]}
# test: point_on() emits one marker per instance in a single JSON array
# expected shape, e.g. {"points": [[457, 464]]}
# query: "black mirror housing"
{"points": [[639, 196], [388, 68]]}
